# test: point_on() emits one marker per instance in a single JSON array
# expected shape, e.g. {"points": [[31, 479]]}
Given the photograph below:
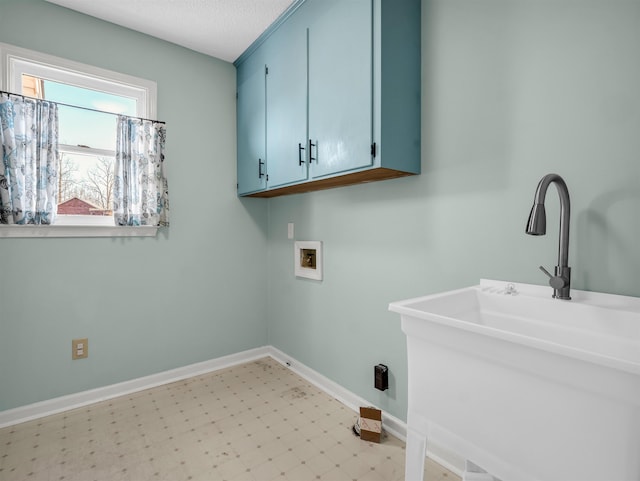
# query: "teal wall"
{"points": [[511, 90], [194, 293]]}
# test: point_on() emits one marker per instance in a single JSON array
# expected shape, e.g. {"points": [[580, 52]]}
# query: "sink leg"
{"points": [[415, 454]]}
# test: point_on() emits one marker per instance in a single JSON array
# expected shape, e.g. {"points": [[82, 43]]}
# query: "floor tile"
{"points": [[254, 422]]}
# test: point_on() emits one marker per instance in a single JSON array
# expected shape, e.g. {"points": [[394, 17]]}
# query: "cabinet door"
{"points": [[340, 86], [251, 125], [287, 103]]}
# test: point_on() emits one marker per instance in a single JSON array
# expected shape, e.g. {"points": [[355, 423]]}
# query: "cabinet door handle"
{"points": [[311, 157], [260, 173], [300, 149]]}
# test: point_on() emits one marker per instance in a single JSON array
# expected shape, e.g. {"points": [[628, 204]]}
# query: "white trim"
{"points": [[77, 231], [390, 423], [75, 73], [73, 401], [74, 149]]}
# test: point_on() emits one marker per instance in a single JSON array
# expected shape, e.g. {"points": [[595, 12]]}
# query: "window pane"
{"points": [[85, 181], [86, 185], [86, 127], [92, 99], [78, 126]]}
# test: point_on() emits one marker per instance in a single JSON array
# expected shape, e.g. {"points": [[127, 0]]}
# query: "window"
{"points": [[88, 98]]}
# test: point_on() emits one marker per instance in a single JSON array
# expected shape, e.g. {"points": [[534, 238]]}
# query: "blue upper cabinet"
{"points": [[342, 95], [340, 87], [286, 54], [251, 126]]}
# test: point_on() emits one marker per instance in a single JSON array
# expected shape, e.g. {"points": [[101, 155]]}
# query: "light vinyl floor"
{"points": [[258, 421]]}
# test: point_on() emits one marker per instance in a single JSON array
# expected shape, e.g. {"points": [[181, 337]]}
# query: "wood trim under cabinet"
{"points": [[362, 177]]}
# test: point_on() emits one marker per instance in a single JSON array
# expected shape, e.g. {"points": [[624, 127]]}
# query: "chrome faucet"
{"points": [[537, 225]]}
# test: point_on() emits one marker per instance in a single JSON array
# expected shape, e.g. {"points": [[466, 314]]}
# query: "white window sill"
{"points": [[76, 231]]}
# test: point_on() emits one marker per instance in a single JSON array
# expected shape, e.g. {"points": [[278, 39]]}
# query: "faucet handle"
{"points": [[557, 282], [546, 272]]}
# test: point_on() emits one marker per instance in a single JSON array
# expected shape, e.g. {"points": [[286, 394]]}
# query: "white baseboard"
{"points": [[390, 423], [72, 401]]}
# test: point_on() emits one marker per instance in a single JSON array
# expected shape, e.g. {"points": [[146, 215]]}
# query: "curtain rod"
{"points": [[78, 107]]}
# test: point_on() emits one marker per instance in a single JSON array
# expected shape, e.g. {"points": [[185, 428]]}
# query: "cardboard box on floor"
{"points": [[370, 424]]}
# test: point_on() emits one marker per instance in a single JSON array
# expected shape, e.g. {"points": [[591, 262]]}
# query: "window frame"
{"points": [[16, 61]]}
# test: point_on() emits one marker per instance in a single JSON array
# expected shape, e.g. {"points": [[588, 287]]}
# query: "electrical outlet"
{"points": [[79, 348], [381, 377]]}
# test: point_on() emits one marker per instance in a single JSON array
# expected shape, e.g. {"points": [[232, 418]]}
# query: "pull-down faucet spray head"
{"points": [[537, 223]]}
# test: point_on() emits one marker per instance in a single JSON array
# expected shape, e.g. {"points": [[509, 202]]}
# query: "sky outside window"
{"points": [[85, 127]]}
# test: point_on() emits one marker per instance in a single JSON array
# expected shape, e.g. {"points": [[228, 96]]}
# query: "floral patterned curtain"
{"points": [[141, 194], [29, 169]]}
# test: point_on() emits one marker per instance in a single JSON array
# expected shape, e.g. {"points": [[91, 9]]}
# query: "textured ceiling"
{"points": [[220, 28]]}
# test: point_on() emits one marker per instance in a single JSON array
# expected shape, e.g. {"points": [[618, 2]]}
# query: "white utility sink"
{"points": [[527, 387]]}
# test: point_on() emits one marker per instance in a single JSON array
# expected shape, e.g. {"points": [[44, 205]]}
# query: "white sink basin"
{"points": [[526, 386], [600, 328]]}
